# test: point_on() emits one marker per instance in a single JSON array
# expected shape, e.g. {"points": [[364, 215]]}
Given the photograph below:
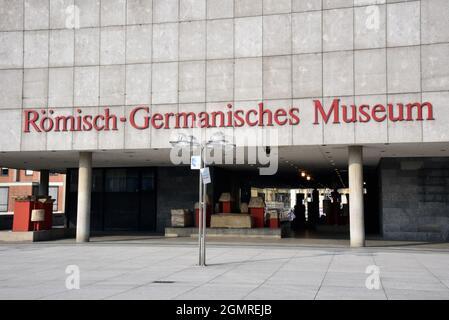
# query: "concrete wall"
{"points": [[415, 198], [200, 55]]}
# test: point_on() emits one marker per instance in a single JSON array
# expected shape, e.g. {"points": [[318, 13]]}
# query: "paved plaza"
{"points": [[166, 269]]}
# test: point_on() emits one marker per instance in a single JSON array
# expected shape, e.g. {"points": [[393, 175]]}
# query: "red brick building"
{"points": [[15, 182]]}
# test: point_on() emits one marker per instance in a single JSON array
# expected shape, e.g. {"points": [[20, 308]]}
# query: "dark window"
{"points": [[5, 172], [53, 192], [4, 192], [121, 180], [148, 180], [73, 181]]}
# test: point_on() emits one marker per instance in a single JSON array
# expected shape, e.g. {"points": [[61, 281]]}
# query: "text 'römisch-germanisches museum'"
{"points": [[311, 117]]}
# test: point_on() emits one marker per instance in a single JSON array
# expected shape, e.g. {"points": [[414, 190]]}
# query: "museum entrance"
{"points": [[307, 203]]}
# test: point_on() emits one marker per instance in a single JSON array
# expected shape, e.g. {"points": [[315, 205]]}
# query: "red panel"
{"points": [[273, 223], [22, 216], [208, 213], [226, 207], [48, 207], [258, 216]]}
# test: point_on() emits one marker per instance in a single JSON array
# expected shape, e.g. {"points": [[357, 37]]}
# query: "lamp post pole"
{"points": [[184, 141], [200, 211], [204, 214]]}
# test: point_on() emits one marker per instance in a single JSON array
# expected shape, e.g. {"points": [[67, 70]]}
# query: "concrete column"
{"points": [[84, 196], [43, 182], [356, 211]]}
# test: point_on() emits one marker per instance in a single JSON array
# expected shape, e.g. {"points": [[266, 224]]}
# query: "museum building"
{"points": [[348, 100]]}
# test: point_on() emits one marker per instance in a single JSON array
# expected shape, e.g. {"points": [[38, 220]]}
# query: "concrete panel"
{"points": [[248, 79], [285, 132], [138, 84], [220, 80], [112, 85], [192, 81], [372, 131], [403, 24], [11, 84], [437, 130], [11, 49], [369, 27], [89, 13], [164, 83], [404, 131], [435, 67], [33, 141], [403, 69], [277, 6], [165, 10], [160, 138], [338, 73], [247, 8], [61, 140], [35, 88], [277, 35], [196, 131], [307, 75], [369, 2], [306, 32], [113, 139], [36, 49], [434, 22], [86, 86], [139, 11], [113, 12], [338, 29], [307, 133], [306, 5], [59, 12], [165, 42], [207, 134], [248, 37], [112, 46], [85, 140], [61, 48], [138, 43], [192, 40], [192, 10], [60, 93], [246, 135], [37, 14], [11, 124], [338, 133], [87, 47], [220, 39], [135, 138], [277, 77], [370, 71], [12, 15], [332, 4], [218, 9]]}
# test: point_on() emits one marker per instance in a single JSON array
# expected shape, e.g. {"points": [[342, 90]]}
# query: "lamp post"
{"points": [[216, 140]]}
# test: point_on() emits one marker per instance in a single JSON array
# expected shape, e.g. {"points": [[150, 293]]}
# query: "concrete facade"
{"points": [[71, 57], [200, 55]]}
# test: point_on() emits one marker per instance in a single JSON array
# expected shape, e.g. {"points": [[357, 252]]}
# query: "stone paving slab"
{"points": [[168, 270]]}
